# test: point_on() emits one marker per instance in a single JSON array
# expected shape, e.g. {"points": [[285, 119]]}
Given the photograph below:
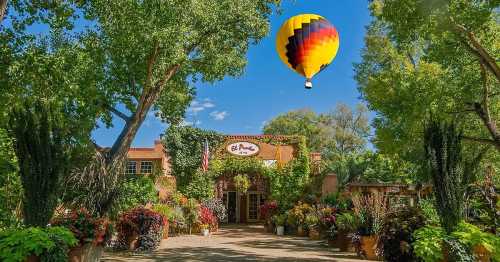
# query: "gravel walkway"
{"points": [[237, 243]]}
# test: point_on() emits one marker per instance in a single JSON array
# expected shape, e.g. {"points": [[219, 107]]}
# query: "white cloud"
{"points": [[197, 106], [216, 115], [190, 123], [208, 105]]}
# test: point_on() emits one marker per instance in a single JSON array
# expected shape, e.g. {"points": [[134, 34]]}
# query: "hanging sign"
{"points": [[243, 148]]}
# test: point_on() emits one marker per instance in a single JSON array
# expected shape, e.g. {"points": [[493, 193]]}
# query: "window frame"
{"points": [[128, 168], [150, 167]]}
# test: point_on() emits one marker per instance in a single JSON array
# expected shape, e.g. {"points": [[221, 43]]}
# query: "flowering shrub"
{"points": [[217, 207], [85, 227], [299, 212], [207, 217], [268, 209], [327, 217], [145, 223]]}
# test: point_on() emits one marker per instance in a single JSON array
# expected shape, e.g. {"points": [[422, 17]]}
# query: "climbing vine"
{"points": [[287, 182], [185, 145]]}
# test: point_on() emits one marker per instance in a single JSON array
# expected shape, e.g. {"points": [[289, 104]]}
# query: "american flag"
{"points": [[205, 157]]}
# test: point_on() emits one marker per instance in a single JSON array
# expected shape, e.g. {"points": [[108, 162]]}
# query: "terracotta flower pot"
{"points": [[481, 253], [314, 234], [165, 231], [133, 241], [85, 253], [301, 232], [369, 246], [341, 241]]}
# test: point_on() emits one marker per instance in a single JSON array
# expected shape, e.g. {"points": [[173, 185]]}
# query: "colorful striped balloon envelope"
{"points": [[307, 43]]}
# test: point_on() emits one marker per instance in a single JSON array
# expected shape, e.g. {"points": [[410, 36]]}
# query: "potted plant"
{"points": [[140, 228], [204, 230], [371, 210], [168, 214], [218, 210], [280, 220], [485, 246], [242, 183], [345, 224], [207, 219], [299, 213], [35, 244], [92, 233], [312, 223], [267, 211]]}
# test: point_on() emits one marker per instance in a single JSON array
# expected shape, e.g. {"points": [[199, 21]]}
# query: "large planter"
{"points": [[32, 258], [132, 241], [481, 253], [301, 232], [205, 232], [85, 253], [342, 242], [314, 234], [369, 246], [280, 230], [269, 227], [166, 229]]}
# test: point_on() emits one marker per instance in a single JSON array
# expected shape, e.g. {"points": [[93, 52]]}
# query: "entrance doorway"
{"points": [[229, 199], [243, 208]]}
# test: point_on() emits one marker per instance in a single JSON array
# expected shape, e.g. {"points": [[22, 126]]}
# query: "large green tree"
{"points": [[337, 133], [136, 55], [424, 56]]}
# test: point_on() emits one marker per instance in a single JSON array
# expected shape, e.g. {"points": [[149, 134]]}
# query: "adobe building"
{"points": [[242, 208], [146, 160]]}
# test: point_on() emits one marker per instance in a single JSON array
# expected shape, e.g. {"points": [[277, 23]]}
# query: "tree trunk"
{"points": [[3, 9], [118, 152], [489, 123]]}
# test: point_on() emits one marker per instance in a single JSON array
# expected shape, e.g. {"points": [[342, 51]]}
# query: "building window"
{"points": [[146, 167], [131, 168]]}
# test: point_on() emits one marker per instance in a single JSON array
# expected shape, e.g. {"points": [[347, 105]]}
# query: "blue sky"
{"points": [[268, 88]]}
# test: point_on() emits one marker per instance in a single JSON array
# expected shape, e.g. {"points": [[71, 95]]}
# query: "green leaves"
{"points": [[336, 133], [428, 243], [416, 61], [17, 244]]}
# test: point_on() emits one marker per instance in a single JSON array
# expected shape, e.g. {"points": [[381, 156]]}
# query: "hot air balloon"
{"points": [[307, 43]]}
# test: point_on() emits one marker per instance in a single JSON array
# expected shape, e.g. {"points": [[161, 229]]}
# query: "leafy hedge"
{"points": [[185, 147], [50, 244]]}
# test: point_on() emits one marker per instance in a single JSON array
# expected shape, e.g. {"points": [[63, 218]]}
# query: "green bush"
{"points": [[347, 222], [428, 243], [200, 187], [471, 236], [429, 211], [396, 234], [136, 190], [50, 244]]}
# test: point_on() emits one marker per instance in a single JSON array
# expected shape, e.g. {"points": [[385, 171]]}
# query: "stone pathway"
{"points": [[236, 243]]}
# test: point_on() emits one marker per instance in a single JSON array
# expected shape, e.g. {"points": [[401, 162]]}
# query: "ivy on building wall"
{"points": [[184, 145], [287, 182]]}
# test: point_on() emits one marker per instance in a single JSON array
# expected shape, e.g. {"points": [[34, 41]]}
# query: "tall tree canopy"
{"points": [[426, 56], [335, 133], [132, 55]]}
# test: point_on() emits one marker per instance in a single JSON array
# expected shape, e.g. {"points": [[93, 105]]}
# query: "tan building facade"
{"points": [[146, 160]]}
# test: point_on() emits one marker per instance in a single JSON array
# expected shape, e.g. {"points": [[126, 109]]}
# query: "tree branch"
{"points": [[118, 113], [150, 63], [478, 50], [480, 140], [3, 9]]}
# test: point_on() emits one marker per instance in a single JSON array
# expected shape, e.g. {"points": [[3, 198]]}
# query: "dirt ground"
{"points": [[236, 243]]}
